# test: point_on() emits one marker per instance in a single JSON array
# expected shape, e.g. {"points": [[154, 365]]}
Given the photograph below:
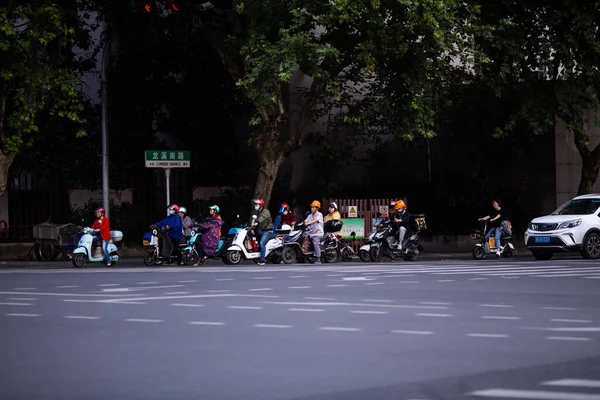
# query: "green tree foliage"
{"points": [[544, 56], [38, 72]]}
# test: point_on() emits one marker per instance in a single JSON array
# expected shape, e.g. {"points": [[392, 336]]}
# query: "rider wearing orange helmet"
{"points": [[401, 221], [314, 222]]}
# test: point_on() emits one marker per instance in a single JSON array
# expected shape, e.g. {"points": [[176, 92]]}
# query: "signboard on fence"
{"points": [[356, 225], [384, 210], [352, 212]]}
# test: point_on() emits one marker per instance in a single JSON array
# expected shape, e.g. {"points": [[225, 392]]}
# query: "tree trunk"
{"points": [[590, 167], [271, 157], [6, 161]]}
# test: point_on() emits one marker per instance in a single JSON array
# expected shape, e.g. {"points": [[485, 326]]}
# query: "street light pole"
{"points": [[105, 186]]}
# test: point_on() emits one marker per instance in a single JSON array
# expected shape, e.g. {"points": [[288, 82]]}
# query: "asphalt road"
{"points": [[454, 329]]}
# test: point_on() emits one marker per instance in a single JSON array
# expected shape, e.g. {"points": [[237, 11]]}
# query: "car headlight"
{"points": [[530, 226], [569, 224]]}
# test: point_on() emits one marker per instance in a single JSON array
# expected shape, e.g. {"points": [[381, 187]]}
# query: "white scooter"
{"points": [[84, 252], [245, 247]]}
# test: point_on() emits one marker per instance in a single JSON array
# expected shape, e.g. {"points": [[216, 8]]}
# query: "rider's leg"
{"points": [[264, 238], [498, 235], [401, 233], [106, 253], [317, 248]]}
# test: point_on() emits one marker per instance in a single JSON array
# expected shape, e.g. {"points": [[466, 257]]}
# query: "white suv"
{"points": [[574, 226]]}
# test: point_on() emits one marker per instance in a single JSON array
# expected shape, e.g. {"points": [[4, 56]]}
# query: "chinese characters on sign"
{"points": [[167, 158]]}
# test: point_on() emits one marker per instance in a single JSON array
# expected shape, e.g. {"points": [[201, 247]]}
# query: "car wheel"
{"points": [[542, 255], [591, 246]]}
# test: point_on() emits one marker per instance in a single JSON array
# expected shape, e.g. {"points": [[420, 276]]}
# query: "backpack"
{"points": [[506, 228]]}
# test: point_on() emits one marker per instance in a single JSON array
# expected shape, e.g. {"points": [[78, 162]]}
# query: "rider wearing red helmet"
{"points": [[102, 226], [263, 226]]}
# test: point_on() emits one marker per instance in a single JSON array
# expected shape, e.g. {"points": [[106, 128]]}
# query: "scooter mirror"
{"points": [[353, 234], [254, 217], [193, 233]]}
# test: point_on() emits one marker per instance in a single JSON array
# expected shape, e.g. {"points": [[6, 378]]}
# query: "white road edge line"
{"points": [[499, 317], [571, 338], [143, 320], [299, 287], [495, 305], [433, 315], [15, 304], [339, 328], [22, 298], [578, 321], [306, 309], [272, 326], [187, 305], [207, 323], [413, 332], [584, 383], [80, 317], [22, 315], [368, 312], [260, 290], [487, 335], [533, 394], [246, 307]]}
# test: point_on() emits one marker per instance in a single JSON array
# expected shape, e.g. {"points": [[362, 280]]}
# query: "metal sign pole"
{"points": [[168, 186]]}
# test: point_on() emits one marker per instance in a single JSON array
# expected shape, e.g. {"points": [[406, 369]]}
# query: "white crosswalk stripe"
{"points": [[560, 389]]}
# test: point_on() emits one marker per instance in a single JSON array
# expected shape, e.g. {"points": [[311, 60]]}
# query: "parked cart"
{"points": [[54, 239]]}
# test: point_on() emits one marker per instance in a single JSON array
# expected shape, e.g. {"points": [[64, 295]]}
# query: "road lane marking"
{"points": [[375, 283], [170, 293], [445, 280], [147, 283], [299, 276], [569, 338], [25, 288], [559, 308], [22, 298], [187, 305], [100, 301], [335, 275], [260, 289], [435, 303], [408, 282], [143, 320], [478, 279], [263, 277], [80, 317], [299, 287], [190, 281], [336, 285], [320, 298], [306, 309], [246, 307], [487, 335], [224, 279], [499, 317], [368, 312], [413, 332], [22, 315], [185, 296], [533, 394], [272, 326], [377, 301], [66, 287], [434, 315], [495, 305], [584, 383], [219, 291], [300, 303], [209, 323], [109, 284], [575, 321], [339, 328], [132, 289], [15, 304]]}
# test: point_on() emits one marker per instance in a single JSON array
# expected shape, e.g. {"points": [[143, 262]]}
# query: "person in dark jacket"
{"points": [[174, 232], [402, 221], [263, 227]]}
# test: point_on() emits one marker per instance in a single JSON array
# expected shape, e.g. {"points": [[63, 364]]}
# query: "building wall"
{"points": [[568, 160]]}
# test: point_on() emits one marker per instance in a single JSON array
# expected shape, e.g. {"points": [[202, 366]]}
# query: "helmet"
{"points": [[284, 206], [215, 207], [183, 210], [173, 207], [399, 204], [316, 203], [101, 209], [259, 201], [334, 205]]}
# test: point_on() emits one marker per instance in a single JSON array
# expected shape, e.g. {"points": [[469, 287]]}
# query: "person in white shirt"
{"points": [[314, 230]]}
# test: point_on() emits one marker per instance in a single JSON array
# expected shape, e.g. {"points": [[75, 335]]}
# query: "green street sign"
{"points": [[167, 158]]}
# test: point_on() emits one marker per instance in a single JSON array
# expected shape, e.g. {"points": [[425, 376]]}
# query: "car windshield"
{"points": [[578, 207]]}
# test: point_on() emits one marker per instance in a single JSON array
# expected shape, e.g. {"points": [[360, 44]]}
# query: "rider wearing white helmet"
{"points": [[186, 223]]}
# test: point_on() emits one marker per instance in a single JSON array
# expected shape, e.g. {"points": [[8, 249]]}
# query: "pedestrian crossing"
{"points": [[562, 269], [561, 389]]}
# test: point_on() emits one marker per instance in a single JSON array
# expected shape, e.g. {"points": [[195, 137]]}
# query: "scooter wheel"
{"points": [[79, 260], [150, 259], [364, 256], [189, 258], [331, 256], [479, 253], [375, 253], [288, 255], [234, 257]]}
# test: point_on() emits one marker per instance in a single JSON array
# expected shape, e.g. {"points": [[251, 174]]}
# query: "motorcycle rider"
{"points": [[401, 221], [211, 233], [102, 226], [287, 215], [174, 232], [186, 223], [263, 227], [495, 218], [334, 215], [314, 232]]}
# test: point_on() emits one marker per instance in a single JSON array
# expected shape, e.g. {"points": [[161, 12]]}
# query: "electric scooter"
{"points": [[486, 247], [85, 253], [245, 247], [151, 241], [190, 254]]}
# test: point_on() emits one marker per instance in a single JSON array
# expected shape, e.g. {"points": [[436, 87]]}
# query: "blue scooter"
{"points": [[190, 254]]}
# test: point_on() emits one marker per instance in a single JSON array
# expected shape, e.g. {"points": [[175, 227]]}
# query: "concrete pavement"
{"points": [[512, 329]]}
